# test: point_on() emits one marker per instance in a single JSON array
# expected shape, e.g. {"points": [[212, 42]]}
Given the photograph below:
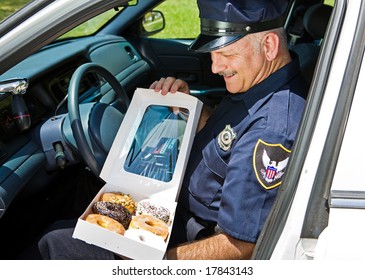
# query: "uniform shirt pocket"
{"points": [[207, 181]]}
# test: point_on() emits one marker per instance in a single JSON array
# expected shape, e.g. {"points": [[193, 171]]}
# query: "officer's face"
{"points": [[240, 63]]}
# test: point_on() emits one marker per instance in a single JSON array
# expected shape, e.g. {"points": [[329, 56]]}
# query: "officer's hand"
{"points": [[170, 84]]}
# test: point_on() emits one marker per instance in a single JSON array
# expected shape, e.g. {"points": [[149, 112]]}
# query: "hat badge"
{"points": [[226, 137]]}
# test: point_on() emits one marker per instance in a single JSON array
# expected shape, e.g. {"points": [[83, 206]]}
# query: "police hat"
{"points": [[223, 22]]}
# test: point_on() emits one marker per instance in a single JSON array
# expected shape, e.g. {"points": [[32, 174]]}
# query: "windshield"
{"points": [[92, 25], [8, 7]]}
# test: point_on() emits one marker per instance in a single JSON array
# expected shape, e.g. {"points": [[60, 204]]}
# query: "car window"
{"points": [[181, 19], [7, 7], [91, 26]]}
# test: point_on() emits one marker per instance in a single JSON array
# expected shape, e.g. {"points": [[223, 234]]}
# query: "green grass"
{"points": [[7, 7], [329, 2], [178, 24], [90, 26]]}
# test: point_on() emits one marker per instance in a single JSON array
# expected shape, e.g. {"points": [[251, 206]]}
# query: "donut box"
{"points": [[147, 161]]}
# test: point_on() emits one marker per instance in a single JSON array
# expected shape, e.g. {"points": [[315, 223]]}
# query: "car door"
{"points": [[320, 211]]}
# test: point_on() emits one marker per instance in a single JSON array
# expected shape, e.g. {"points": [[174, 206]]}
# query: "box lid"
{"points": [[150, 151]]}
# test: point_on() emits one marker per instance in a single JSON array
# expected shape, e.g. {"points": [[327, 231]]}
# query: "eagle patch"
{"points": [[269, 162]]}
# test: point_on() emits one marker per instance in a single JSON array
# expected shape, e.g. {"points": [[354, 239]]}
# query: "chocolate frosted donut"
{"points": [[114, 211]]}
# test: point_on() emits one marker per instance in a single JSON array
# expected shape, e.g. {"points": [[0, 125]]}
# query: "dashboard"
{"points": [[49, 72]]}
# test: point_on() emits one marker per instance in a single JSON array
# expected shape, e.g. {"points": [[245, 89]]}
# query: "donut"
{"points": [[150, 223], [106, 222], [114, 211], [145, 236], [148, 207], [120, 198]]}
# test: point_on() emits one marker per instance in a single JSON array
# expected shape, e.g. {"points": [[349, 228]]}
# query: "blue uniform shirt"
{"points": [[239, 158]]}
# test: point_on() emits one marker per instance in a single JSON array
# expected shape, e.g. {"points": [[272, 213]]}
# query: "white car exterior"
{"points": [[327, 170]]}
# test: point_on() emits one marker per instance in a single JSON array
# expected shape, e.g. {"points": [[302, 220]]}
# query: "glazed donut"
{"points": [[120, 198], [148, 207], [150, 223], [145, 236], [106, 222], [114, 211]]}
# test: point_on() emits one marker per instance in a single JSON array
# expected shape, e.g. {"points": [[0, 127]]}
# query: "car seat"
{"points": [[315, 21]]}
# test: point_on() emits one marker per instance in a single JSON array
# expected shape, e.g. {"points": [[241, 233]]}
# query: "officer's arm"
{"points": [[220, 246], [204, 116]]}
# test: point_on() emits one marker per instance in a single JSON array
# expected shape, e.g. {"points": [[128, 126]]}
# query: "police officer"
{"points": [[241, 151], [240, 155]]}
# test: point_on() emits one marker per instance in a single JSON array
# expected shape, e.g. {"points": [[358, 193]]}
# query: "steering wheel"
{"points": [[94, 132]]}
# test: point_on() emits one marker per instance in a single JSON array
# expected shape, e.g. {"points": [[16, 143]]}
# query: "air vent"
{"points": [[58, 92], [131, 53]]}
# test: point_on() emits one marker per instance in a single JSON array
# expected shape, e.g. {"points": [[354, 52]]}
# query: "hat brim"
{"points": [[207, 43]]}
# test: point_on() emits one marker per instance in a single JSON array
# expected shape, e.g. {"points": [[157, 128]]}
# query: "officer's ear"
{"points": [[271, 44]]}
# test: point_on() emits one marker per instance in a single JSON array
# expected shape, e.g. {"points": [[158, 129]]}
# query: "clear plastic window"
{"points": [[155, 147]]}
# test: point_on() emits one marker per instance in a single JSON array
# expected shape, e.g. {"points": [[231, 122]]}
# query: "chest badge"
{"points": [[226, 137]]}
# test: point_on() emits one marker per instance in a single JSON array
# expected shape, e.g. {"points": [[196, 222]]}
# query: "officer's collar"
{"points": [[271, 84]]}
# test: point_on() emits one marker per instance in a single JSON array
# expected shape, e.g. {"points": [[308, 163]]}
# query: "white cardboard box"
{"points": [[140, 187]]}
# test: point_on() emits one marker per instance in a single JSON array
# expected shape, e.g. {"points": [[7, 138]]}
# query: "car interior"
{"points": [[43, 176]]}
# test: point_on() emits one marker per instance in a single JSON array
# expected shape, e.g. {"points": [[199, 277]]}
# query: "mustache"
{"points": [[227, 73]]}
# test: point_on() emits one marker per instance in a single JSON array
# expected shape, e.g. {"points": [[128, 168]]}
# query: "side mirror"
{"points": [[152, 23]]}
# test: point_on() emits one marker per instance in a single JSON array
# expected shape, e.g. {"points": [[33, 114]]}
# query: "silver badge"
{"points": [[226, 137]]}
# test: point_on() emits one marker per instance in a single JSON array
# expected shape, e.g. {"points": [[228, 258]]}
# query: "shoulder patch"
{"points": [[269, 163]]}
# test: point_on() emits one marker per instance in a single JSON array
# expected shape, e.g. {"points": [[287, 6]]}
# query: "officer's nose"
{"points": [[217, 65]]}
